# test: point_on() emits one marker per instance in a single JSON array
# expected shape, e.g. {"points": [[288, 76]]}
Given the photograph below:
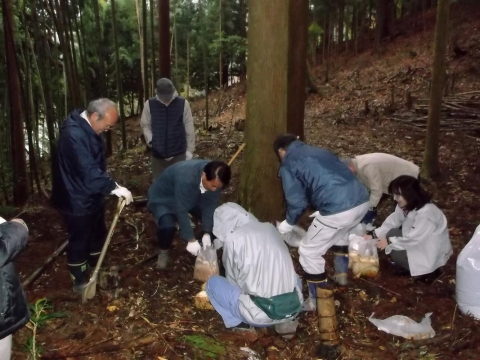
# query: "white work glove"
{"points": [[121, 191], [188, 155], [20, 221], [2, 220], [206, 241], [193, 247], [284, 227]]}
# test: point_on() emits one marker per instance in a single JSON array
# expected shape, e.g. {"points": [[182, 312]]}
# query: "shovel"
{"points": [[91, 287]]}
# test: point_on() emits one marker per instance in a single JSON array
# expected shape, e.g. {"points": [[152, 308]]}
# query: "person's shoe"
{"points": [[340, 263], [287, 329], [243, 327], [163, 259], [429, 278], [397, 270]]}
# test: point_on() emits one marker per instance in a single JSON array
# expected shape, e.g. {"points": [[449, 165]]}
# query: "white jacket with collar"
{"points": [[377, 170], [255, 258], [424, 237]]}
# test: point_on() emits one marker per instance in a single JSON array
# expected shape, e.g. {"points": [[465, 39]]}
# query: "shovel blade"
{"points": [[89, 291]]}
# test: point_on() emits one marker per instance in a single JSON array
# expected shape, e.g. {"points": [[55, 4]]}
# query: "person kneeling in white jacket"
{"points": [[416, 234], [258, 269]]}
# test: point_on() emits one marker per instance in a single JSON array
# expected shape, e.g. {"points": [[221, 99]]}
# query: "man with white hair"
{"points": [[80, 182], [260, 287], [167, 126]]}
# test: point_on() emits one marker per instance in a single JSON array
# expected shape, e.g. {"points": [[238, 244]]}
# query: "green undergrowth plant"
{"points": [[39, 315]]}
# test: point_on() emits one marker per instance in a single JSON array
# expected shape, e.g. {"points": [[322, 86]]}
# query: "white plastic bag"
{"points": [[206, 264], [468, 277], [405, 327], [363, 256], [294, 237]]}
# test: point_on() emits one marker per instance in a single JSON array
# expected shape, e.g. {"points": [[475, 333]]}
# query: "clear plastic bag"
{"points": [[363, 256], [206, 264], [294, 237], [405, 327]]}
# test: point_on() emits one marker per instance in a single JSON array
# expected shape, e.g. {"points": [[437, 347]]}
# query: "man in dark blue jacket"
{"points": [[14, 312], [188, 187], [316, 177], [80, 182]]}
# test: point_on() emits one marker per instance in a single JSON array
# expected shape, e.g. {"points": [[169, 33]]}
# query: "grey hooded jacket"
{"points": [[255, 258]]}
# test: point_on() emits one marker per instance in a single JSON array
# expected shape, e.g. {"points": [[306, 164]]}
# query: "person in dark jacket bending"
{"points": [[14, 312], [186, 187], [167, 126], [80, 182], [316, 177]]}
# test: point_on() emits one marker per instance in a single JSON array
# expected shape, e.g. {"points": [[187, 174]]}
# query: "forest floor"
{"points": [[150, 315]]}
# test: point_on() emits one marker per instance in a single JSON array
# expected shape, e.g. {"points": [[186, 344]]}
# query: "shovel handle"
{"points": [[120, 206]]}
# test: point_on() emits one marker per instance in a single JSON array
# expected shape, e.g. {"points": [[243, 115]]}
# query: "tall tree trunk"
{"points": [[102, 82], [297, 54], [341, 23], [431, 166], [101, 74], [243, 34], [85, 60], [164, 38], [177, 78], [142, 97], [118, 75], [29, 111], [72, 48], [203, 14], [188, 66], [45, 87], [152, 47], [146, 92], [17, 140], [270, 62], [220, 66]]}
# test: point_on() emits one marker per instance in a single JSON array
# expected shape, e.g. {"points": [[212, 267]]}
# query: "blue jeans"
{"points": [[224, 298]]}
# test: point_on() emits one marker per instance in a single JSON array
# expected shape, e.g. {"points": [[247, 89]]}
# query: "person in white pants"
{"points": [[14, 312], [316, 177]]}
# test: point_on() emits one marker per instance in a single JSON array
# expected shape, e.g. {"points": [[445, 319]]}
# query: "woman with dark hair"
{"points": [[415, 235]]}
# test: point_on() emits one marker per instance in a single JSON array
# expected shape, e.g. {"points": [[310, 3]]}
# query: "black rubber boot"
{"points": [[165, 237], [78, 273], [340, 262], [314, 281]]}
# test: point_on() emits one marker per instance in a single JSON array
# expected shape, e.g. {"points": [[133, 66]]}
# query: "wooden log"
{"points": [[327, 322], [37, 272]]}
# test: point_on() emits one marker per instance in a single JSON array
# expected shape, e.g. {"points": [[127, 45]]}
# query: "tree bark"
{"points": [[341, 24], [431, 166], [17, 140], [270, 62], [202, 12], [164, 38], [118, 76], [152, 47], [146, 92], [142, 97]]}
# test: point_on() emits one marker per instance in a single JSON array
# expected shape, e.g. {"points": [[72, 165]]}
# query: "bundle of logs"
{"points": [[459, 112]]}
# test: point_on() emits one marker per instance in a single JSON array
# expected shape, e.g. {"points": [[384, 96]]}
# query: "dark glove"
{"points": [[370, 216]]}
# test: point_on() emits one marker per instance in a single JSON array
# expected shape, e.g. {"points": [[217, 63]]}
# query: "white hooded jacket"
{"points": [[424, 237], [255, 258]]}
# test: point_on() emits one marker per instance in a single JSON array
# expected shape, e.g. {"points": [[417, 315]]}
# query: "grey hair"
{"points": [[100, 106]]}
